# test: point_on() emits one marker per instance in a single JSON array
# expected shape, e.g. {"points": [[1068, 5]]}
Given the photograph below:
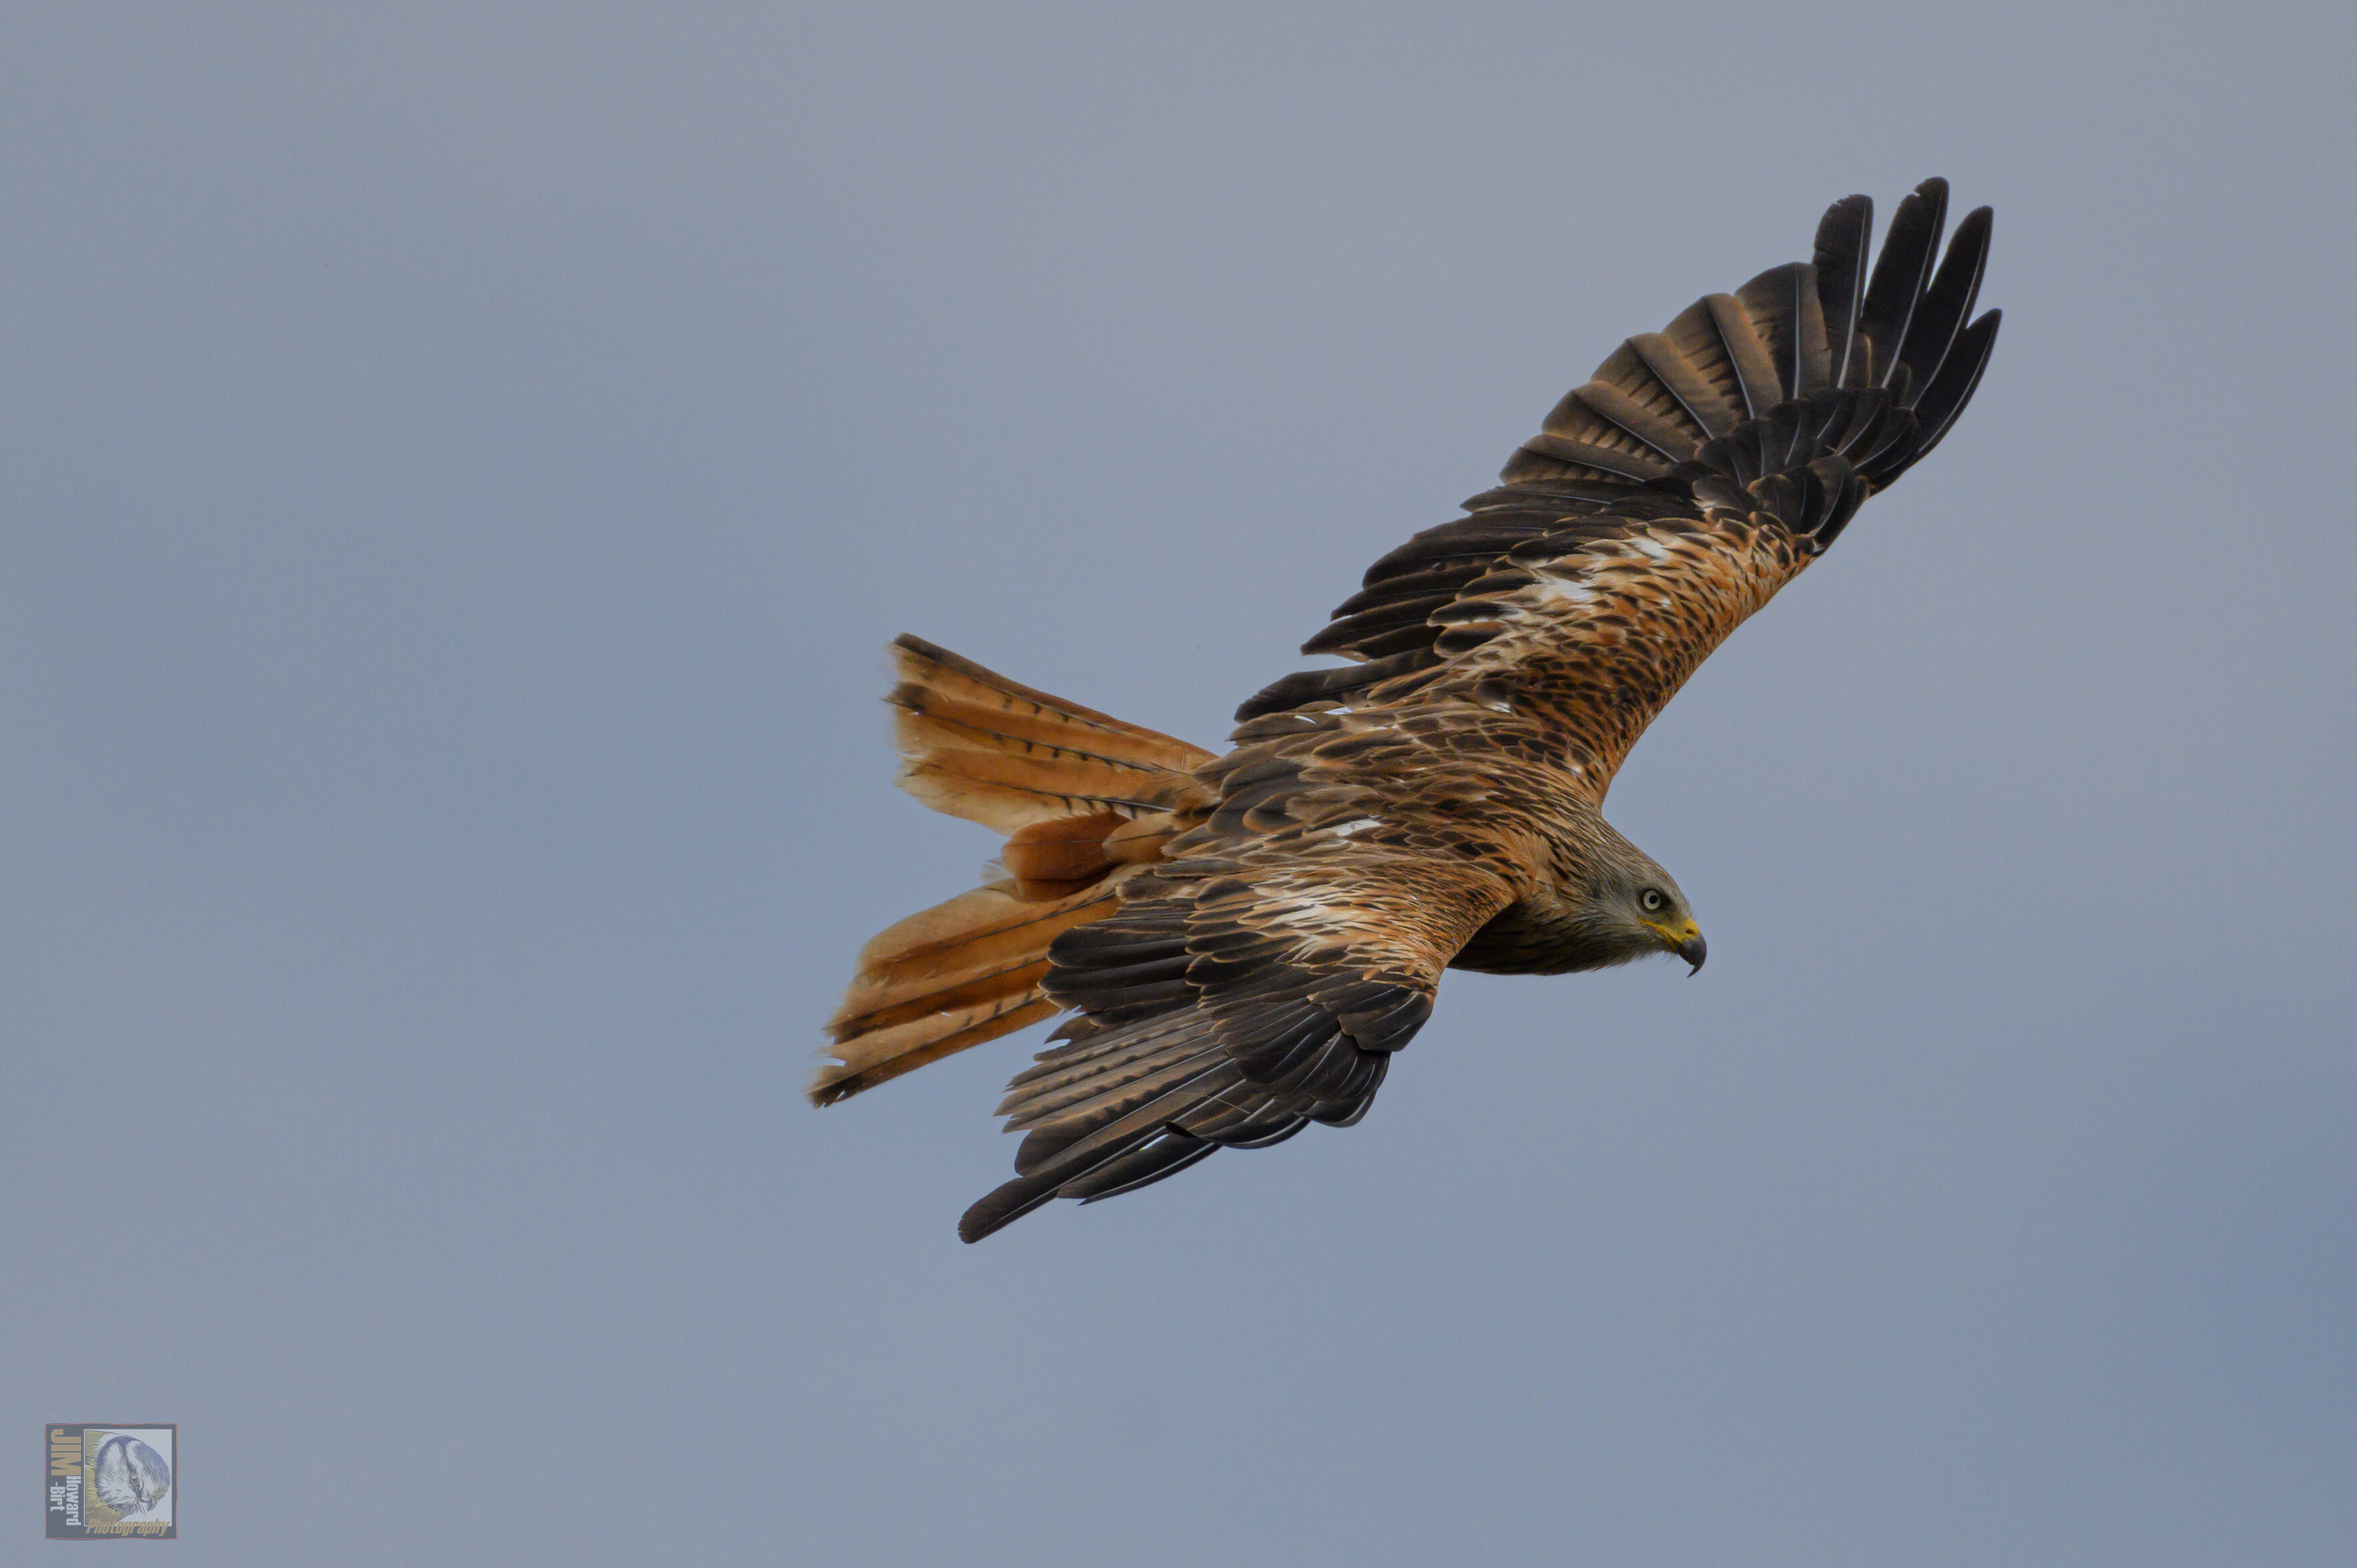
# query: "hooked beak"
{"points": [[1694, 950]]}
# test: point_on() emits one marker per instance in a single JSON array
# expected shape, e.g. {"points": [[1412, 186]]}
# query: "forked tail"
{"points": [[1083, 797]]}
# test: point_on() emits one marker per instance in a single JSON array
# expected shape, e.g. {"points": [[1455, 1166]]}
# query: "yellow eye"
{"points": [[1652, 900]]}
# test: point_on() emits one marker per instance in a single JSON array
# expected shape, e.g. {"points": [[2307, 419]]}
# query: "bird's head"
{"points": [[1634, 909]]}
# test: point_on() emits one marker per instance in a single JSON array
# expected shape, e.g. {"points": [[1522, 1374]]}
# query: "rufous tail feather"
{"points": [[1082, 797]]}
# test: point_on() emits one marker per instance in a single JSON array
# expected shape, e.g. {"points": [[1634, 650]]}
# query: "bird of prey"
{"points": [[1247, 938]]}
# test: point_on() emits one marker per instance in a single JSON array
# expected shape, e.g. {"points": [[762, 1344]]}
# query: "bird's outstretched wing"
{"points": [[1670, 497], [1241, 991]]}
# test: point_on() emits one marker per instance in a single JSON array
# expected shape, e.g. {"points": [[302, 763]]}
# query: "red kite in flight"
{"points": [[1246, 937]]}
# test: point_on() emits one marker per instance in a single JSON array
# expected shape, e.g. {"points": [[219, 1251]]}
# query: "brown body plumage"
{"points": [[1246, 938]]}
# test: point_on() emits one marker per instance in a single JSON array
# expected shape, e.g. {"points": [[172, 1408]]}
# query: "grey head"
{"points": [[1630, 907]]}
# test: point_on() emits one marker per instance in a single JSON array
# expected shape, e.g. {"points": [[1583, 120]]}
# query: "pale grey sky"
{"points": [[460, 464]]}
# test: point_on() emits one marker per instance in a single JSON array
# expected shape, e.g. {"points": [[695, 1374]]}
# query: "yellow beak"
{"points": [[1685, 938]]}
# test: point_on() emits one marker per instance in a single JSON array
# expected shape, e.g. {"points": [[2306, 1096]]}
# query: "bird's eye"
{"points": [[1651, 899]]}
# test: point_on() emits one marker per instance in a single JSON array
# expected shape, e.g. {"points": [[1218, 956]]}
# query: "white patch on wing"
{"points": [[1565, 591], [1359, 826]]}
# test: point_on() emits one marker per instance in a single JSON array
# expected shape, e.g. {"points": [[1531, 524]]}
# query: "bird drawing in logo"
{"points": [[129, 1476], [1246, 938]]}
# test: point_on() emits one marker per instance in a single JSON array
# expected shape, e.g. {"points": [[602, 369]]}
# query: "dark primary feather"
{"points": [[1842, 238], [1901, 273]]}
